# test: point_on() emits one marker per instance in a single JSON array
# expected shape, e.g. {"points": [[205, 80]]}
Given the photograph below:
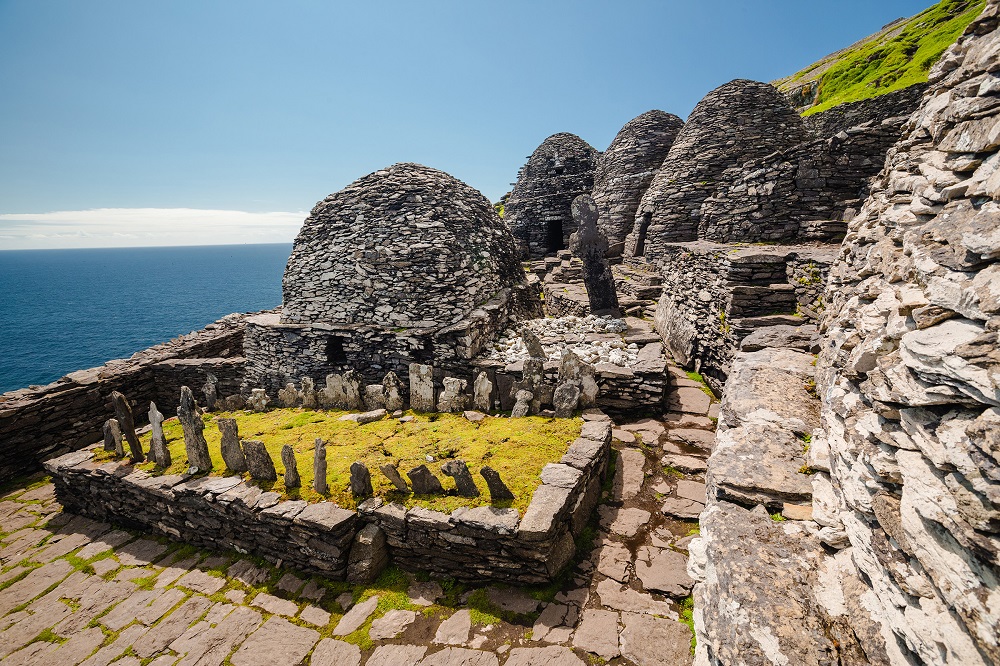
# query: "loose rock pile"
{"points": [[594, 339]]}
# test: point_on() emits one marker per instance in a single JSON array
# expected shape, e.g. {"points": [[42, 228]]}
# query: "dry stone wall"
{"points": [[910, 371], [538, 211], [625, 170], [39, 422], [867, 111]]}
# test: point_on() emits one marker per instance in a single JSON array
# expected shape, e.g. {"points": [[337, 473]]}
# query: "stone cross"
{"points": [[123, 412], [458, 470], [113, 438], [590, 245], [232, 452], [194, 438], [422, 388], [499, 492], [288, 396], [452, 398], [308, 393], [259, 461], [158, 449], [361, 480], [392, 474], [391, 391], [211, 391], [424, 482], [292, 479], [319, 467]]}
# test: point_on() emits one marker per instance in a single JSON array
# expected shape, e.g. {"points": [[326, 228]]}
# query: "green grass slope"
{"points": [[899, 56]]}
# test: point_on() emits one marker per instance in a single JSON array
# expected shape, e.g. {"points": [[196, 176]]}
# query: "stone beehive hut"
{"points": [[407, 264], [739, 121], [626, 169], [538, 210]]}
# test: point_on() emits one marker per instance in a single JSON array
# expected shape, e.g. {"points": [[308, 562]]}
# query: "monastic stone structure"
{"points": [[538, 210], [625, 170], [736, 122], [405, 265]]}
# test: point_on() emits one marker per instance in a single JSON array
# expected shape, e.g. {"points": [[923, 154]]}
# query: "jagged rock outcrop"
{"points": [[625, 170], [538, 210], [910, 370]]}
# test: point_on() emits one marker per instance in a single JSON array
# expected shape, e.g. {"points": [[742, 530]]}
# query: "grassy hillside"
{"points": [[895, 58]]}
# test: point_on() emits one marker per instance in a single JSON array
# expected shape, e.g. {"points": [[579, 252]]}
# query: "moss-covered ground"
{"points": [[517, 449]]}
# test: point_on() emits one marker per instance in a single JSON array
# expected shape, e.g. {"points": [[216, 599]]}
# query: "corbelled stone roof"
{"points": [[405, 246]]}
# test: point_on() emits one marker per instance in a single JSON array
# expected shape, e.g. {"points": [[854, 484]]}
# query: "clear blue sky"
{"points": [[267, 107]]}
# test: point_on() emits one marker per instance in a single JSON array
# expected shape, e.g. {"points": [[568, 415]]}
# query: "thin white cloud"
{"points": [[137, 227]]}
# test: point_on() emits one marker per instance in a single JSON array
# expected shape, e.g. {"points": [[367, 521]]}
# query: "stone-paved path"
{"points": [[75, 591]]}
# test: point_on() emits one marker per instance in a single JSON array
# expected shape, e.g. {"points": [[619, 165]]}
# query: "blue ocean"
{"points": [[64, 310]]}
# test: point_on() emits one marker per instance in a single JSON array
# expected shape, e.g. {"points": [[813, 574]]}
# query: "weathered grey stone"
{"points": [[210, 389], [194, 438], [624, 522], [288, 396], [331, 652], [342, 391], [552, 655], [391, 625], [590, 245], [614, 560], [455, 630], [663, 570], [759, 464], [482, 392], [499, 492], [158, 450], [533, 344], [682, 508], [319, 467], [369, 555], [452, 398], [598, 633], [629, 474], [424, 482], [422, 388], [457, 470], [232, 451], [613, 595], [361, 480], [258, 400], [374, 397], [292, 479], [278, 641], [259, 462], [391, 392], [396, 655], [113, 437], [123, 412], [565, 399], [523, 405], [356, 617], [365, 417], [652, 641], [473, 416], [392, 474], [454, 656]]}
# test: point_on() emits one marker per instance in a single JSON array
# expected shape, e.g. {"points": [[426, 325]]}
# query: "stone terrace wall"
{"points": [[483, 543], [910, 370], [625, 170], [736, 122], [538, 210], [36, 423], [871, 111]]}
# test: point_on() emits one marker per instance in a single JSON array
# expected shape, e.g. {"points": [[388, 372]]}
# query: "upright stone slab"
{"points": [[259, 461], [392, 474], [113, 438], [422, 388], [195, 445], [158, 450], [232, 452], [452, 398], [211, 391], [534, 345], [258, 401], [319, 467], [499, 492], [368, 556], [424, 482], [374, 397], [590, 245], [522, 406], [292, 479], [458, 470], [361, 480], [565, 399], [343, 391], [288, 396], [391, 392], [483, 392], [308, 393], [123, 412]]}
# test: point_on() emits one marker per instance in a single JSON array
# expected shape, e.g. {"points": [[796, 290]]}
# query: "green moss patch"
{"points": [[517, 449]]}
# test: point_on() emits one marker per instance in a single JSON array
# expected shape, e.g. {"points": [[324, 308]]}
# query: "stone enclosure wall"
{"points": [[39, 422], [483, 543]]}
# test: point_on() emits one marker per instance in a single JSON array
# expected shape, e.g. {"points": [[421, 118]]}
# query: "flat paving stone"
{"points": [[172, 627], [275, 605], [396, 655], [391, 625], [424, 594], [117, 648], [204, 644], [628, 474], [331, 652], [685, 463], [623, 436], [199, 581], [105, 566], [613, 596], [33, 585], [682, 508], [689, 400], [460, 657], [512, 600], [598, 633], [551, 617], [248, 573], [691, 490], [146, 606], [652, 641], [315, 616], [455, 630], [277, 643], [106, 542], [140, 552], [175, 570], [613, 560], [623, 522], [663, 570], [701, 439], [552, 655], [356, 617]]}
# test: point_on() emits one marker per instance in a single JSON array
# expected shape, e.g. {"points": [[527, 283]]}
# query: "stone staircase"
{"points": [[639, 287]]}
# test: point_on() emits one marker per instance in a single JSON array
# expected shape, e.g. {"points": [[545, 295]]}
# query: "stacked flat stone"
{"points": [[625, 170], [736, 122], [406, 246], [538, 210]]}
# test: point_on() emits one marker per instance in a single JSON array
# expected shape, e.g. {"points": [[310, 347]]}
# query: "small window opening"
{"points": [[335, 350]]}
